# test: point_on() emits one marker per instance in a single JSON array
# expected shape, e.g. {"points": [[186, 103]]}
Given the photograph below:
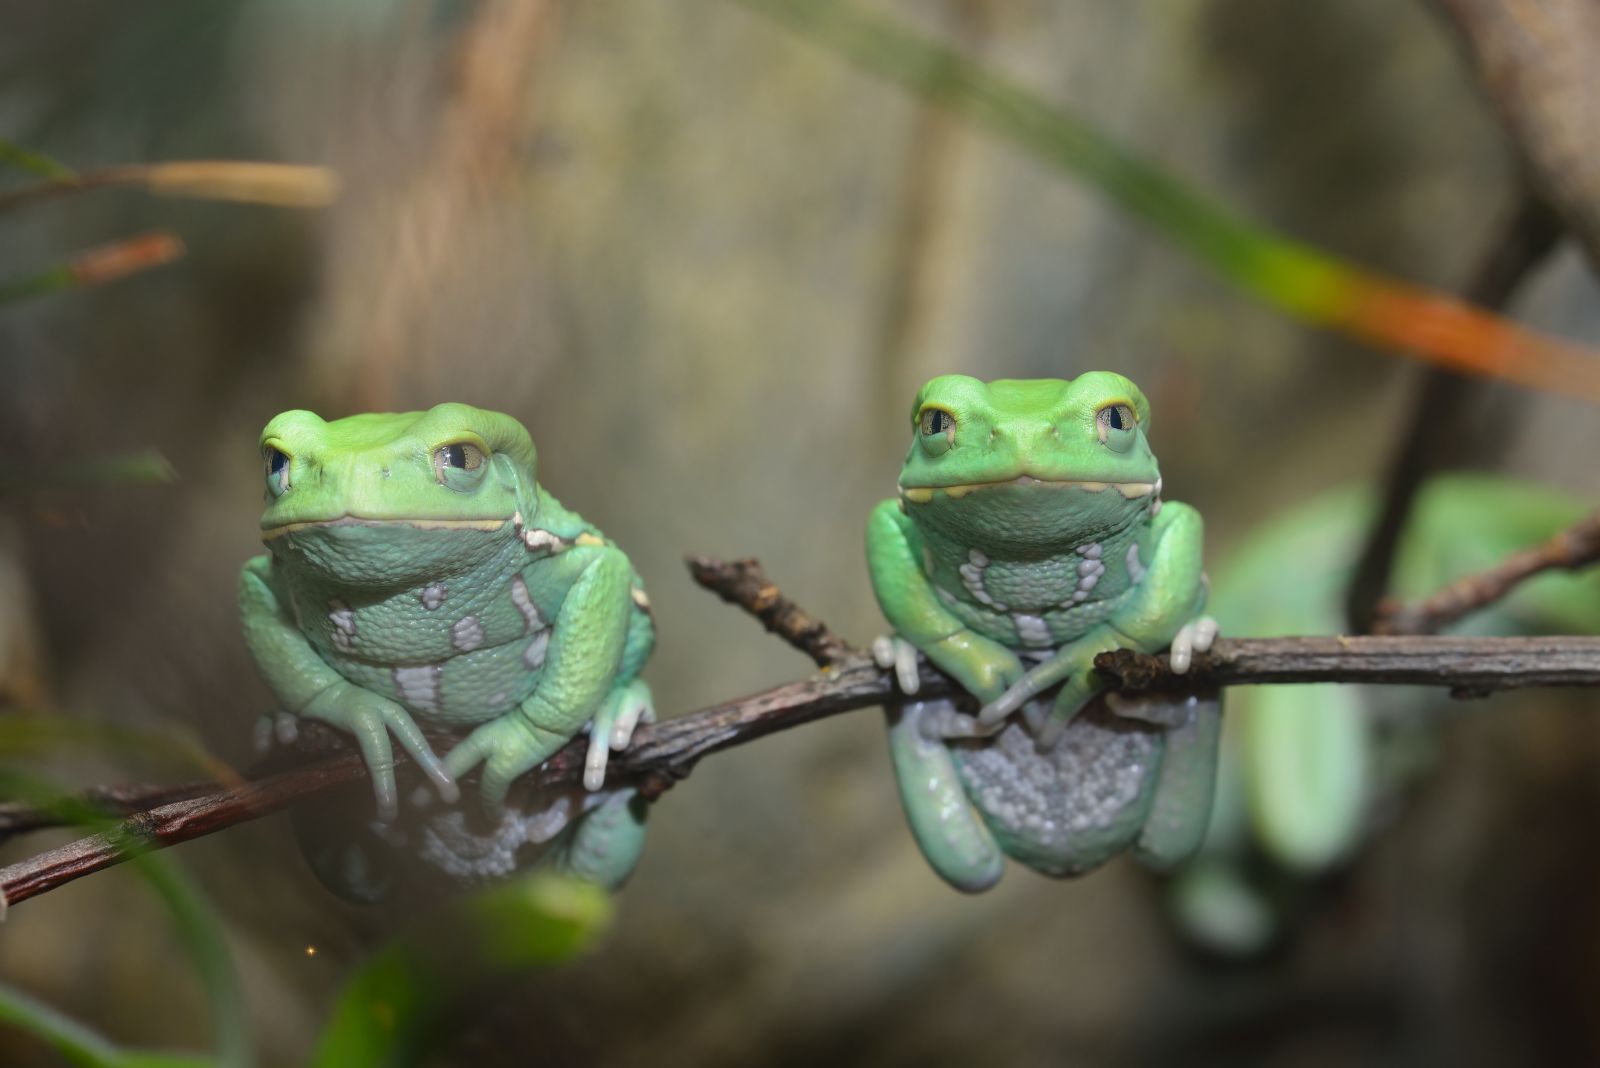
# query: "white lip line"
{"points": [[362, 521], [924, 494]]}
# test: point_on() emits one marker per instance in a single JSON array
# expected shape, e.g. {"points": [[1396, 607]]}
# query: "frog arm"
{"points": [[947, 828], [580, 665], [308, 686], [1169, 593], [983, 666]]}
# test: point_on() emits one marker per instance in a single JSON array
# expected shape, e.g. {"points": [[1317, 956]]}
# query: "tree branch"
{"points": [[664, 753], [1576, 547]]}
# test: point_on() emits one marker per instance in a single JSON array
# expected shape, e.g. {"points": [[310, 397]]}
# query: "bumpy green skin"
{"points": [[398, 588], [1027, 538]]}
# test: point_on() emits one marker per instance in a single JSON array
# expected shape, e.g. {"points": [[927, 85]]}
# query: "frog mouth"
{"points": [[487, 525], [1129, 490]]}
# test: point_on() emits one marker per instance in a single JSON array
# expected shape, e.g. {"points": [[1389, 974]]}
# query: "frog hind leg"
{"points": [[1186, 783], [948, 830], [604, 845]]}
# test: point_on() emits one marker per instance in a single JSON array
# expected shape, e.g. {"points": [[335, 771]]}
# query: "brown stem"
{"points": [[663, 753], [743, 583], [1576, 547]]}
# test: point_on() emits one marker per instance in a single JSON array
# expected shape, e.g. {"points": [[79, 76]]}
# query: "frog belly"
{"points": [[1071, 809]]}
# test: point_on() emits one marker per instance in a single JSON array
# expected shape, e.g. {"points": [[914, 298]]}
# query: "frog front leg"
{"points": [[984, 667], [579, 668], [1163, 599], [948, 830], [308, 686]]}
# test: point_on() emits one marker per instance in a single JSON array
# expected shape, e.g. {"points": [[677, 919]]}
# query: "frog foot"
{"points": [[1196, 636], [371, 719], [506, 747], [893, 651], [625, 708]]}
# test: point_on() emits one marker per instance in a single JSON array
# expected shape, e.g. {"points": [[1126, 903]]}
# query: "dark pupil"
{"points": [[455, 456], [277, 461], [1116, 419], [936, 422]]}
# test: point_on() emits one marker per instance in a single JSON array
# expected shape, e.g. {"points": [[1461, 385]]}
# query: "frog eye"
{"points": [[277, 470], [459, 465], [1116, 424], [938, 429]]}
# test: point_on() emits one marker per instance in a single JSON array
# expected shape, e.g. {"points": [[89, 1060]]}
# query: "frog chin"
{"points": [[1026, 515], [388, 553]]}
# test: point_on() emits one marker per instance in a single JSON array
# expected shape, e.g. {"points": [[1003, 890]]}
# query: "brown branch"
{"points": [[743, 583], [1470, 667], [663, 753], [1576, 547]]}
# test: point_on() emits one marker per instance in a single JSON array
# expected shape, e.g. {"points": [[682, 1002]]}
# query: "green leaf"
{"points": [[19, 158], [198, 926], [397, 1006], [1298, 279]]}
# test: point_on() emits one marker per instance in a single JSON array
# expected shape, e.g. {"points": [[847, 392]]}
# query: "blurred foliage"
{"points": [[403, 1003], [1294, 277], [1305, 768]]}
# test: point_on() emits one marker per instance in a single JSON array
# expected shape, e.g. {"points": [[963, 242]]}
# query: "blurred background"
{"points": [[708, 264]]}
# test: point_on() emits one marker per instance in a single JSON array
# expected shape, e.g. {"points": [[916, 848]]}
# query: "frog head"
{"points": [[385, 500], [1029, 466]]}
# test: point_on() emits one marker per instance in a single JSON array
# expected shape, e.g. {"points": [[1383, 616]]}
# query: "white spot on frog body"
{"points": [[530, 612], [432, 596], [419, 686], [1092, 550], [977, 558], [542, 541], [343, 619], [1136, 568], [1032, 630], [533, 655], [466, 634]]}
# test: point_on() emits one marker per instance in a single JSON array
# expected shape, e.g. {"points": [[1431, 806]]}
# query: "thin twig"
{"points": [[280, 184], [743, 583], [663, 753], [1576, 547]]}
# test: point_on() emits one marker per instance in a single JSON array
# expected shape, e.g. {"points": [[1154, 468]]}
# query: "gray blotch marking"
{"points": [[533, 655], [1092, 550], [972, 579], [466, 634], [343, 618], [531, 618], [1032, 630], [433, 596], [1136, 568], [419, 686]]}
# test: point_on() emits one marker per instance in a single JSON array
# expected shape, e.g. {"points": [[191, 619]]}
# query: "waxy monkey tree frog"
{"points": [[417, 573], [1029, 535]]}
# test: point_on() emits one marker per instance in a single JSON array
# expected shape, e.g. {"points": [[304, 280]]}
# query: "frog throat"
{"points": [[1129, 490]]}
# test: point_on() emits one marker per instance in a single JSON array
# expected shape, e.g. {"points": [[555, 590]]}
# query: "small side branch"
{"points": [[1576, 547], [664, 753], [743, 583]]}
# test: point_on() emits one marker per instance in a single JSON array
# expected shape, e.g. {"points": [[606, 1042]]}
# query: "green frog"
{"points": [[417, 573], [1028, 536]]}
